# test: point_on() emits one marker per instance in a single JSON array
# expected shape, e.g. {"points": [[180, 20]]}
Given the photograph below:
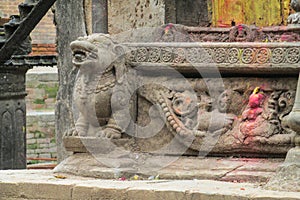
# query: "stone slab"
{"points": [[171, 167], [42, 184]]}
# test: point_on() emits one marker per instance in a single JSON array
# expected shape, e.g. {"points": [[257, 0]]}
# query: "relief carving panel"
{"points": [[118, 95]]}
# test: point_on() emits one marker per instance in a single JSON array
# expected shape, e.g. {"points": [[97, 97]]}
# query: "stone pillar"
{"points": [[99, 16], [70, 24], [288, 174], [12, 117]]}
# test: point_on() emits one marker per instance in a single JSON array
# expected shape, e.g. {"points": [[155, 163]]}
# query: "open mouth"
{"points": [[83, 52], [79, 56]]}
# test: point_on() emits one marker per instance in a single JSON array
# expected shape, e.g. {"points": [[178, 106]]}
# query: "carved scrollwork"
{"points": [[248, 55], [131, 55], [141, 54], [166, 54], [154, 54], [292, 55], [278, 55], [220, 55], [179, 55], [233, 55], [262, 55], [192, 55], [245, 55], [285, 103]]}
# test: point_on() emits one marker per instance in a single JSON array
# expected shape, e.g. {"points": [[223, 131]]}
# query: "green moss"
{"points": [[32, 146], [30, 162], [51, 91], [40, 135], [39, 101], [53, 140]]}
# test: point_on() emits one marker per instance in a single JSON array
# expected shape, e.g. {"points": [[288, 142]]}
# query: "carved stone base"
{"points": [[288, 174], [225, 169]]}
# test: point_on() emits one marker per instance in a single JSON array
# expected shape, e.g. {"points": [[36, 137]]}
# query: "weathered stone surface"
{"points": [[288, 174], [66, 12], [198, 13], [41, 184], [124, 16], [168, 167], [238, 139], [231, 116]]}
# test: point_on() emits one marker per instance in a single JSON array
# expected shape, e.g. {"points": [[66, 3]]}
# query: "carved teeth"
{"points": [[164, 105], [168, 114], [175, 126], [170, 118], [172, 122], [165, 109]]}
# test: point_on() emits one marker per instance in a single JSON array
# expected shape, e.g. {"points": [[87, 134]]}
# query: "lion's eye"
{"points": [[96, 42]]}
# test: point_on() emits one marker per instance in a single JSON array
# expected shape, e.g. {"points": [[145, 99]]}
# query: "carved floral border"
{"points": [[230, 54]]}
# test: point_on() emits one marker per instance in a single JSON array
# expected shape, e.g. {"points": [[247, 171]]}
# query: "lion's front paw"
{"points": [[75, 132], [110, 133]]}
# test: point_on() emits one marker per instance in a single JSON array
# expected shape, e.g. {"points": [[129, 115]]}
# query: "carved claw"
{"points": [[75, 132], [110, 133]]}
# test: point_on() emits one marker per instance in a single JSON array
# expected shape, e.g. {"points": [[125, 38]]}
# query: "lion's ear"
{"points": [[119, 50], [120, 67]]}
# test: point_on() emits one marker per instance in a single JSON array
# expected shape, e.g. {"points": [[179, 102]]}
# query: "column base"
{"points": [[287, 177]]}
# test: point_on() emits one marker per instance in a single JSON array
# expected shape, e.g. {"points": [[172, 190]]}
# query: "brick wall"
{"points": [[41, 142], [43, 49], [41, 87], [45, 31]]}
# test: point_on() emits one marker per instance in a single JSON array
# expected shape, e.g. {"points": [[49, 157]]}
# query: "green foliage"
{"points": [[31, 162], [53, 140], [51, 91], [39, 101], [32, 146], [39, 134]]}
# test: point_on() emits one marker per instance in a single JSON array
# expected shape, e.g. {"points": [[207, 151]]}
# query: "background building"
{"points": [[43, 36]]}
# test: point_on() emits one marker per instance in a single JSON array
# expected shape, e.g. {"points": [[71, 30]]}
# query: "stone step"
{"points": [[43, 184], [102, 165]]}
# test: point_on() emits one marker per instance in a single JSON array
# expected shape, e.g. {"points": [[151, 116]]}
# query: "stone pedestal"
{"points": [[288, 174]]}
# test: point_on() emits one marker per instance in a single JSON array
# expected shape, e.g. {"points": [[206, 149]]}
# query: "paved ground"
{"points": [[43, 184]]}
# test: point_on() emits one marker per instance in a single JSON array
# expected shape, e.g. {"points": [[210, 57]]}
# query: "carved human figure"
{"points": [[254, 108], [241, 33], [220, 119], [101, 66], [255, 125]]}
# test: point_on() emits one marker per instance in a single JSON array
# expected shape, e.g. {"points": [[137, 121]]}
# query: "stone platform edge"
{"points": [[44, 184]]}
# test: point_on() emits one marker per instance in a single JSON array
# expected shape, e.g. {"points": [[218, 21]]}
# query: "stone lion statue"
{"points": [[102, 68]]}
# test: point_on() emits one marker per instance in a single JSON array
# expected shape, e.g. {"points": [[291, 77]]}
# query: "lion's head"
{"points": [[97, 53]]}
